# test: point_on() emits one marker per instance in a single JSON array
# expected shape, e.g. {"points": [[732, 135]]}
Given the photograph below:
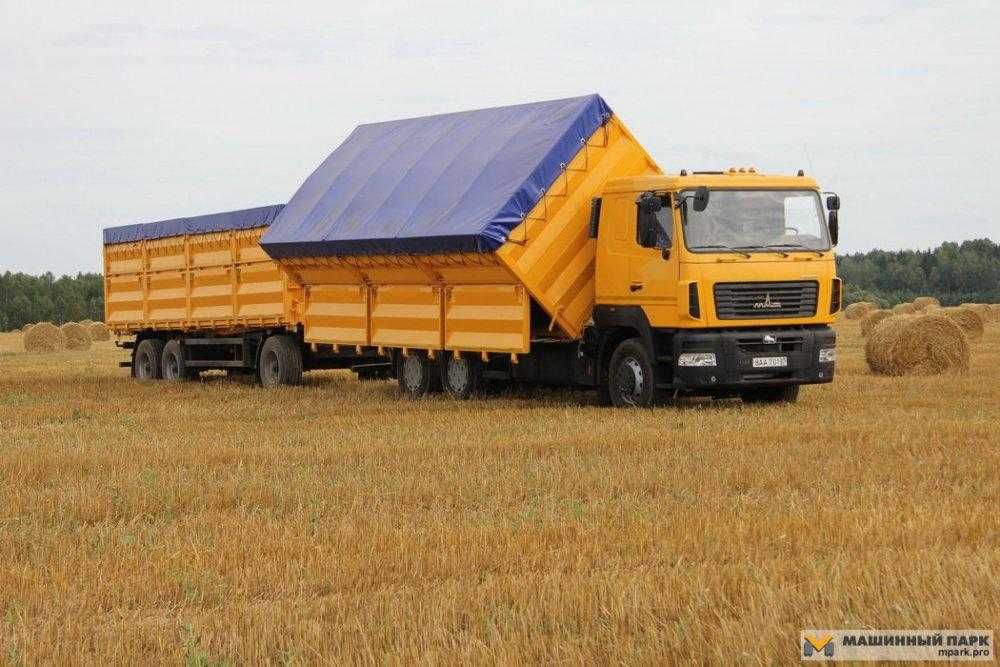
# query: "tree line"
{"points": [[26, 299], [966, 272], [952, 272]]}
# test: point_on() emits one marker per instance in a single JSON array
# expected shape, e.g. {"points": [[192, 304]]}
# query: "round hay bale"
{"points": [[871, 319], [917, 345], [99, 331], [857, 310], [981, 309], [44, 337], [969, 320], [904, 309], [923, 302], [77, 336]]}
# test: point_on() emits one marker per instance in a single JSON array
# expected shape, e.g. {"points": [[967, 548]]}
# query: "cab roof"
{"points": [[727, 179]]}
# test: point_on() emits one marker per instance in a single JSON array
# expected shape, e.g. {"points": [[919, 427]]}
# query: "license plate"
{"points": [[770, 362]]}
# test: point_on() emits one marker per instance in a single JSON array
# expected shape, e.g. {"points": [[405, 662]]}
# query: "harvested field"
{"points": [[214, 521]]}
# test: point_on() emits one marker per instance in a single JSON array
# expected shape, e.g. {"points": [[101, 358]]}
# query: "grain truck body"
{"points": [[452, 250]]}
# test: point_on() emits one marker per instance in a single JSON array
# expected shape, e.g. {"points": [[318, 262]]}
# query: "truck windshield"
{"points": [[779, 220]]}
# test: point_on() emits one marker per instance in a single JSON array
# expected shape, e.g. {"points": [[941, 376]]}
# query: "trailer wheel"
{"points": [[462, 377], [172, 365], [146, 360], [788, 393], [418, 375], [631, 382], [280, 362]]}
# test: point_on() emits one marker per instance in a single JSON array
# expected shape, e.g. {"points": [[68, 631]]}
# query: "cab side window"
{"points": [[653, 228]]}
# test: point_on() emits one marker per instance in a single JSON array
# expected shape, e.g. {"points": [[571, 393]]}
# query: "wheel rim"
{"points": [[171, 369], [145, 365], [269, 366], [630, 380], [413, 372], [458, 375]]}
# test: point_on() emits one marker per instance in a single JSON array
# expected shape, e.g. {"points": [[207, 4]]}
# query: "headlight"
{"points": [[696, 359], [828, 355]]}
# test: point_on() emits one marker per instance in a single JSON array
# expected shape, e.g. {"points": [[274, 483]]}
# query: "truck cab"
{"points": [[718, 283]]}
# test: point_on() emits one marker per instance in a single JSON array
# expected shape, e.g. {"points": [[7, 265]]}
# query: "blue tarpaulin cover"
{"points": [[449, 183], [249, 218]]}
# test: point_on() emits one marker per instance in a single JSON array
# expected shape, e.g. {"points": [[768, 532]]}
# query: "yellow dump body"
{"points": [[468, 301]]}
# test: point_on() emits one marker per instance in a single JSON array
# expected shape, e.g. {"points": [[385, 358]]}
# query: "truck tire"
{"points": [[172, 365], [280, 362], [631, 382], [418, 375], [462, 378], [788, 393], [147, 359]]}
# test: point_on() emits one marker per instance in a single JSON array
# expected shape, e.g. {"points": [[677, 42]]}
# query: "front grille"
{"points": [[755, 344], [745, 301]]}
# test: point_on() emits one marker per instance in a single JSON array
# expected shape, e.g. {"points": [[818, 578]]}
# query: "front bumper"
{"points": [[735, 351]]}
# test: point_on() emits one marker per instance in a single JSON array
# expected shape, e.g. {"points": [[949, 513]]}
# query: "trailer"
{"points": [[537, 243]]}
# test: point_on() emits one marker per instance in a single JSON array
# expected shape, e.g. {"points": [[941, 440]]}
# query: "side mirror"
{"points": [[701, 199], [649, 203], [833, 202], [834, 225]]}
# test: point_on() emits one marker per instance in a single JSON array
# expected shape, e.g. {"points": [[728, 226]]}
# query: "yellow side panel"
{"points": [[123, 298], [550, 252], [406, 316], [217, 280], [166, 298], [337, 314], [487, 318]]}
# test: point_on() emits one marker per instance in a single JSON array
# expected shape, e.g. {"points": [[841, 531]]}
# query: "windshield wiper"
{"points": [[794, 245], [767, 248], [720, 247]]}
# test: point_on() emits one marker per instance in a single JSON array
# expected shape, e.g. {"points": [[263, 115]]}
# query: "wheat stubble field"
{"points": [[217, 522]]}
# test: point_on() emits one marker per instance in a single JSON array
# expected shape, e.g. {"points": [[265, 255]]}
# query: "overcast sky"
{"points": [[115, 113]]}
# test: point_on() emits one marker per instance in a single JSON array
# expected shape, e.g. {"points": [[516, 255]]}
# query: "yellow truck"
{"points": [[536, 244]]}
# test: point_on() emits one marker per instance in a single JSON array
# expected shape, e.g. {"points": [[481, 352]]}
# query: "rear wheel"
{"points": [[631, 382], [418, 375], [280, 362], [788, 393], [462, 377], [172, 363], [146, 360]]}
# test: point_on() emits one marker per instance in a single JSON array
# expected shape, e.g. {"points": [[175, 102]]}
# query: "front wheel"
{"points": [[788, 393], [631, 381]]}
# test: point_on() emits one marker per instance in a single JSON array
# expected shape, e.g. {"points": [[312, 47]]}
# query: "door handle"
{"points": [[635, 287]]}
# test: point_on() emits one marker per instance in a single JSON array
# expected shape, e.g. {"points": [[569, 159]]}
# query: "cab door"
{"points": [[653, 266]]}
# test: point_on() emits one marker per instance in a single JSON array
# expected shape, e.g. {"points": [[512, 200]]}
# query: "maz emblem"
{"points": [[767, 304], [768, 338]]}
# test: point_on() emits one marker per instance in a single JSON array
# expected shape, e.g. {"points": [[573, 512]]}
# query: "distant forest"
{"points": [[27, 299], [967, 272], [953, 272]]}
